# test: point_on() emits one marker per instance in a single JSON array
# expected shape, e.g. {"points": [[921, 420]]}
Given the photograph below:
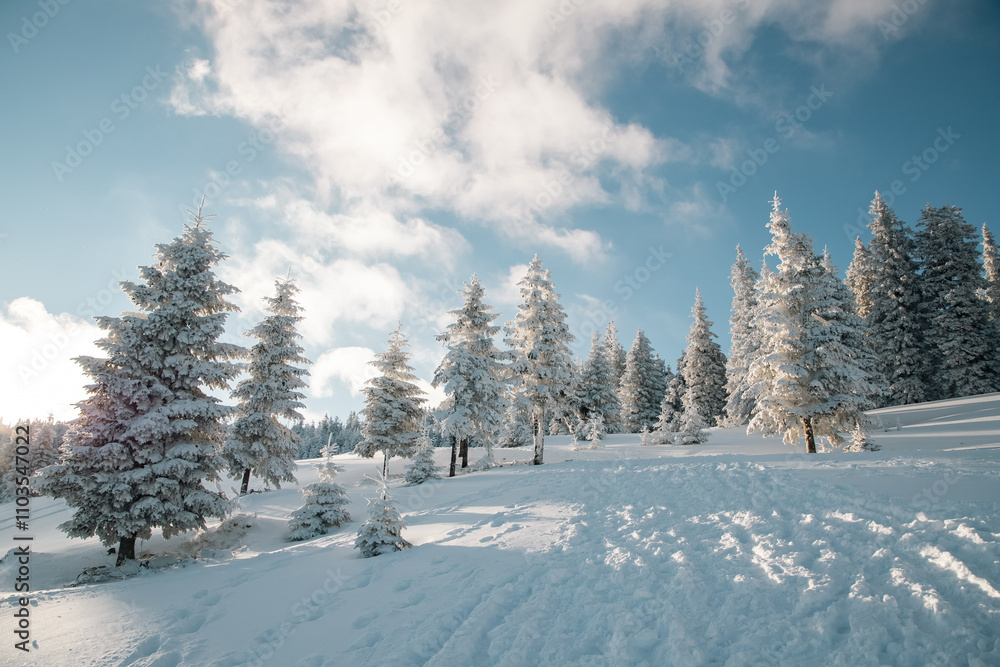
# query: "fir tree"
{"points": [[809, 377], [670, 417], [598, 387], [382, 532], [148, 434], [959, 332], [669, 420], [422, 467], [739, 401], [258, 442], [393, 405], [616, 355], [860, 278], [860, 441], [516, 427], [324, 503], [896, 321], [472, 374], [539, 339], [640, 404], [991, 263], [704, 369]]}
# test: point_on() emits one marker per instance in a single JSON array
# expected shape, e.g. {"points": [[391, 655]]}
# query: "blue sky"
{"points": [[383, 151]]}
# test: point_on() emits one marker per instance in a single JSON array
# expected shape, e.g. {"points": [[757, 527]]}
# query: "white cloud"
{"points": [[348, 365], [37, 364]]}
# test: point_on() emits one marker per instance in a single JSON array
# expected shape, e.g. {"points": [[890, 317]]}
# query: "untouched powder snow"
{"points": [[739, 551]]}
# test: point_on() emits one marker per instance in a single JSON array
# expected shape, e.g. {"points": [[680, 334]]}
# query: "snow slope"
{"points": [[740, 551]]}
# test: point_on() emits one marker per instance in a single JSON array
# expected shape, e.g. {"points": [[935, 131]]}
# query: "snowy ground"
{"points": [[737, 552]]}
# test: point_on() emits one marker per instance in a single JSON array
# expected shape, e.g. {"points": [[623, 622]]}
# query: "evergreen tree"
{"points": [[860, 278], [393, 405], [382, 532], [258, 442], [959, 327], [991, 263], [324, 503], [670, 417], [640, 404], [704, 369], [739, 401], [472, 374], [539, 340], [860, 441], [895, 320], [598, 387], [351, 436], [809, 377], [148, 434], [615, 353], [422, 467], [516, 427], [660, 380]]}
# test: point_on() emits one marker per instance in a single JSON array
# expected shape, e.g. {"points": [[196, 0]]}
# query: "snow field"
{"points": [[737, 552]]}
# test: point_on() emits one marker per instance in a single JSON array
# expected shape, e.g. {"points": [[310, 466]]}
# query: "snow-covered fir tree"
{"points": [[672, 405], [704, 369], [259, 443], [640, 404], [991, 264], [661, 378], [539, 340], [860, 277], [598, 387], [516, 427], [422, 466], [324, 503], [615, 353], [669, 420], [44, 440], [393, 405], [896, 322], [860, 442], [382, 533], [472, 374], [692, 423], [961, 337], [809, 378], [148, 433], [739, 400]]}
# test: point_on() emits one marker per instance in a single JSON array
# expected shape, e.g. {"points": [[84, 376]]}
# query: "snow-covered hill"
{"points": [[741, 551]]}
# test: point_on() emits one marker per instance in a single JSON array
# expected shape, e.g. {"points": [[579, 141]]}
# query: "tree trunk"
{"points": [[385, 468], [810, 437], [246, 482], [539, 436], [465, 452], [454, 455], [126, 550]]}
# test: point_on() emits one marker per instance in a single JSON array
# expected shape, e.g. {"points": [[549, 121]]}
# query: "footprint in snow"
{"points": [[363, 620]]}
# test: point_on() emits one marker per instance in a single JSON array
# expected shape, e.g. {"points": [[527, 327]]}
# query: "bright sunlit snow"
{"points": [[739, 551]]}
